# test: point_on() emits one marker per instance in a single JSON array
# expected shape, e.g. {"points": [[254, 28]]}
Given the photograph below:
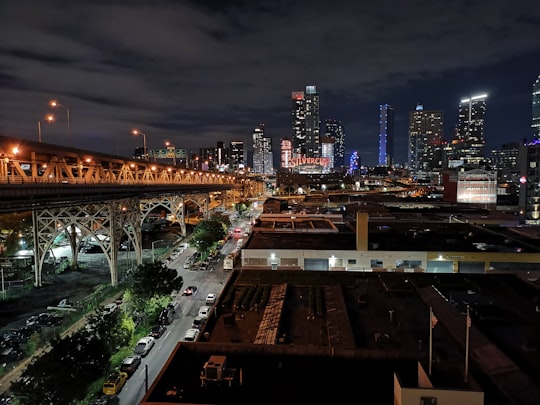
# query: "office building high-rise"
{"points": [[535, 126], [469, 141], [306, 123], [286, 153], [386, 135], [236, 155], [327, 151], [425, 141], [334, 129], [262, 152]]}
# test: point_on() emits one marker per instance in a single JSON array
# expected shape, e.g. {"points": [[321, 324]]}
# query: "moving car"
{"points": [[114, 382], [211, 299], [166, 316], [144, 345], [157, 331], [130, 364], [190, 290], [191, 335]]}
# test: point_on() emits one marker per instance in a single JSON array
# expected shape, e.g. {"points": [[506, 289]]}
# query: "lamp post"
{"points": [[153, 243], [54, 103], [136, 132], [171, 148], [48, 118]]}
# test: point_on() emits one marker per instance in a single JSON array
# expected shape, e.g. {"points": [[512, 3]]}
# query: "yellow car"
{"points": [[114, 383]]}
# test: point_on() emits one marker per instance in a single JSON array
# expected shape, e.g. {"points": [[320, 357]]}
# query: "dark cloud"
{"points": [[200, 72]]}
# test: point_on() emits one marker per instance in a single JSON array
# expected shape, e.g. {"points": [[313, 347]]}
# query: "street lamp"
{"points": [[54, 103], [171, 148], [153, 243], [48, 118], [136, 132]]}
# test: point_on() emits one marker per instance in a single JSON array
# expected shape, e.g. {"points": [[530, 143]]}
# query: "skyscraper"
{"points": [[327, 151], [286, 151], [262, 152], [469, 140], [425, 141], [237, 159], [306, 123], [535, 126], [334, 129], [386, 135]]}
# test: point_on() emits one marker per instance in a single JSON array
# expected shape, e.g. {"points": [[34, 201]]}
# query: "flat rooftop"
{"points": [[334, 334]]}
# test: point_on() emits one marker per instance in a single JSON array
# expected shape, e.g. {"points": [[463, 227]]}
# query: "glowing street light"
{"points": [[137, 132], [54, 103], [171, 149], [49, 118]]}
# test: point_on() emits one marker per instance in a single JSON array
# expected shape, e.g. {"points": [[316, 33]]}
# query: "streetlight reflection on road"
{"points": [[145, 152], [54, 103]]}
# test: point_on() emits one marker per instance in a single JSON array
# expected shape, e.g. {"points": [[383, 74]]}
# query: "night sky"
{"points": [[198, 72]]}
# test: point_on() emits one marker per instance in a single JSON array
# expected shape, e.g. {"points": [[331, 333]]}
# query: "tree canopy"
{"points": [[151, 279]]}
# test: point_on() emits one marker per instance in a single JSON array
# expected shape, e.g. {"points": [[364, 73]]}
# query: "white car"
{"points": [[110, 308], [204, 311], [191, 335], [211, 299], [144, 345]]}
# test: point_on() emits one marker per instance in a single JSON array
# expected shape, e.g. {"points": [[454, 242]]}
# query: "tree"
{"points": [[206, 233], [150, 279], [222, 218], [241, 207]]}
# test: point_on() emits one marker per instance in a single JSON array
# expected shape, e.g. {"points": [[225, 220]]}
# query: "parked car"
{"points": [[144, 345], [130, 364], [198, 322], [205, 310], [109, 308], [191, 335], [190, 290], [211, 299], [114, 382], [157, 331]]}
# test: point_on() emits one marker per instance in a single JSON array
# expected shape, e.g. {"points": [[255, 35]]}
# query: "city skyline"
{"points": [[197, 73]]}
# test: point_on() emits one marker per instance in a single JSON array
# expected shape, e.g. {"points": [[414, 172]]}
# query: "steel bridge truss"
{"points": [[106, 223]]}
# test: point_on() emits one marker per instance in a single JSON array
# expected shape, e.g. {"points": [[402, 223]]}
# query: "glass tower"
{"points": [[386, 135], [535, 126], [469, 141], [425, 141]]}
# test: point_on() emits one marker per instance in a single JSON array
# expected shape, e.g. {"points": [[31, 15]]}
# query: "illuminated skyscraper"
{"points": [[386, 135], [306, 122], [286, 151], [262, 152], [327, 151], [236, 156], [469, 141], [334, 129], [535, 126], [425, 141]]}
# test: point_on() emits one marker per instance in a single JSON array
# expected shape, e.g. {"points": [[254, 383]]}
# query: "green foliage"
{"points": [[241, 207], [32, 344], [222, 219], [154, 279], [206, 234], [62, 375]]}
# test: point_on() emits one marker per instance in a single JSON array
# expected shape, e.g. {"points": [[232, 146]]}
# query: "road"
{"points": [[209, 281]]}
